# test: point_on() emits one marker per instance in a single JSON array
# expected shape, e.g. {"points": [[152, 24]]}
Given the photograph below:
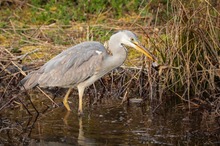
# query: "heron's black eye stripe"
{"points": [[132, 39]]}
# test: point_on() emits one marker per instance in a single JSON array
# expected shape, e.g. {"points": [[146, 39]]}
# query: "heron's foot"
{"points": [[66, 105], [80, 113]]}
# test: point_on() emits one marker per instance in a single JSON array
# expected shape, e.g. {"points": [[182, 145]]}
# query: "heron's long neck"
{"points": [[116, 55]]}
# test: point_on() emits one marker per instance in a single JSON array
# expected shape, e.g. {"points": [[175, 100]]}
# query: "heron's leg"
{"points": [[65, 100], [81, 92]]}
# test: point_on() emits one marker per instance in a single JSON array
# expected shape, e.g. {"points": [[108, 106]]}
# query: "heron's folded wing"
{"points": [[72, 67]]}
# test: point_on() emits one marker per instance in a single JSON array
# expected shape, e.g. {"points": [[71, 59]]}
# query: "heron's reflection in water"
{"points": [[81, 140], [81, 137]]}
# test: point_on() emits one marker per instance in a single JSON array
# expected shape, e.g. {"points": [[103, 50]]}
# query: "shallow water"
{"points": [[108, 123]]}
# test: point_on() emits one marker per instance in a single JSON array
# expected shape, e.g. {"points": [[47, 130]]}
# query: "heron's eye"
{"points": [[132, 39]]}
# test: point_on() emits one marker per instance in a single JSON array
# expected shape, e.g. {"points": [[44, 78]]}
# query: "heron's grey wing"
{"points": [[73, 66]]}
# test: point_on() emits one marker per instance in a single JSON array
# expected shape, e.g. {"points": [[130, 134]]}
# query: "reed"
{"points": [[190, 48]]}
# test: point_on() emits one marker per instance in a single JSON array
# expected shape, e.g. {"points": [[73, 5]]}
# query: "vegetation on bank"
{"points": [[184, 35]]}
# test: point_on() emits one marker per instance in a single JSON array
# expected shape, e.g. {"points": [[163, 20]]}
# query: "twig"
{"points": [[26, 54], [35, 7], [24, 106], [125, 97], [13, 26], [47, 96], [8, 102]]}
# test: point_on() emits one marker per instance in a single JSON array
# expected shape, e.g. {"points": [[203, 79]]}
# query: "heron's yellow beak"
{"points": [[144, 51]]}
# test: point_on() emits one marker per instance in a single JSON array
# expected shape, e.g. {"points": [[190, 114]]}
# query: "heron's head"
{"points": [[129, 39]]}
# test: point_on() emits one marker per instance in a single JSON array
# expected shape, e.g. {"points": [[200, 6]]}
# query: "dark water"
{"points": [[108, 123]]}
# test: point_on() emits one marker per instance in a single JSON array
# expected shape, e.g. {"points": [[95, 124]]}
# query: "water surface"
{"points": [[108, 123]]}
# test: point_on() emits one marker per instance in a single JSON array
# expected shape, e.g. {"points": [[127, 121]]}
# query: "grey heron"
{"points": [[83, 64]]}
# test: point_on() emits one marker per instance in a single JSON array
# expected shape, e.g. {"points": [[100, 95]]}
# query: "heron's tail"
{"points": [[30, 81]]}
